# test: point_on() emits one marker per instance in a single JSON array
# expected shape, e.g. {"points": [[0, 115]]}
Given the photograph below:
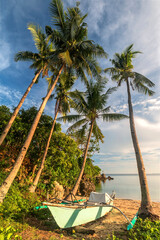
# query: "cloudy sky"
{"points": [[114, 24]]}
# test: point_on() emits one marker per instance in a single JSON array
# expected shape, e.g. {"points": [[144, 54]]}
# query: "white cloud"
{"points": [[120, 23], [11, 97], [5, 53], [118, 148]]}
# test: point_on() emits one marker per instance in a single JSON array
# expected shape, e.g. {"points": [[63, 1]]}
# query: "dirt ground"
{"points": [[110, 223]]}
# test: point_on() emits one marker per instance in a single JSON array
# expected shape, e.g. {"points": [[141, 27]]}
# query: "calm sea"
{"points": [[127, 186]]}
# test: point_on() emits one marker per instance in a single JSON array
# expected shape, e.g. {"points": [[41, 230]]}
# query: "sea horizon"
{"points": [[133, 174], [127, 186]]}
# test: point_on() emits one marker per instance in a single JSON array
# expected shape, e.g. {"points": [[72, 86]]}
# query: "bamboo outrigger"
{"points": [[69, 214]]}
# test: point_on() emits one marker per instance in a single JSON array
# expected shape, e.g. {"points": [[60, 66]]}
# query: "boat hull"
{"points": [[66, 217]]}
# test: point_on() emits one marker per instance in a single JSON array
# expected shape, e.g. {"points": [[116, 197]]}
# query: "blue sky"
{"points": [[114, 24]]}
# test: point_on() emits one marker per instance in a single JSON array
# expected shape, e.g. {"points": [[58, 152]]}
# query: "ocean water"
{"points": [[128, 187]]}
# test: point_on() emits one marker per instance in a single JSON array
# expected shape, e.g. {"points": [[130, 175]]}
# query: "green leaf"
{"points": [[2, 237], [38, 36], [65, 56], [9, 235], [56, 9]]}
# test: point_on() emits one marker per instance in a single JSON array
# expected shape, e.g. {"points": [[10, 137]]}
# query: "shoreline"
{"points": [[114, 221], [130, 199]]}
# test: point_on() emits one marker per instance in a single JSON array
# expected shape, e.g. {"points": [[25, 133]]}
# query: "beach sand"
{"points": [[111, 223], [114, 221]]}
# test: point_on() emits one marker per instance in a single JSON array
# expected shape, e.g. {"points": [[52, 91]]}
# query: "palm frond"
{"points": [[139, 78], [55, 36], [77, 125], [143, 89], [106, 110], [79, 102], [48, 30], [80, 73], [111, 90], [99, 52], [128, 49], [65, 56], [57, 13], [97, 132], [50, 81], [26, 56], [81, 133], [109, 117], [70, 118], [112, 71], [38, 36], [64, 106], [94, 68]]}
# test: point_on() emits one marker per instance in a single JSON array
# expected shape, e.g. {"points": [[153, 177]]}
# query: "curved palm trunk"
{"points": [[36, 180], [75, 188], [7, 128], [146, 204], [8, 181]]}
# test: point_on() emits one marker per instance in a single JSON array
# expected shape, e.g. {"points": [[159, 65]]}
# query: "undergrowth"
{"points": [[143, 230]]}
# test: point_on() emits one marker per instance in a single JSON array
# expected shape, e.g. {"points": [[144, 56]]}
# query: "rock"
{"points": [[58, 191], [98, 179], [103, 177], [86, 186], [110, 178], [66, 190]]}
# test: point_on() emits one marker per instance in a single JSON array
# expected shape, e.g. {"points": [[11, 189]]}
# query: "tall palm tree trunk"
{"points": [[8, 181], [36, 180], [75, 188], [146, 204], [6, 130]]}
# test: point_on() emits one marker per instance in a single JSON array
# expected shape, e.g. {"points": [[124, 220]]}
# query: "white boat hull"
{"points": [[67, 217]]}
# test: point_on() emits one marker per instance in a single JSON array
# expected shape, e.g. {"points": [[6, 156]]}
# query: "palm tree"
{"points": [[40, 63], [71, 42], [72, 50], [122, 71], [62, 106], [90, 107]]}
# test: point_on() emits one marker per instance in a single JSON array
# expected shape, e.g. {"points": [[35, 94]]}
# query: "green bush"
{"points": [[145, 230], [9, 233], [142, 230], [17, 203]]}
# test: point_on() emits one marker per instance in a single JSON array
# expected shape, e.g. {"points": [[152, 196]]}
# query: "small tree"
{"points": [[62, 106], [90, 107]]}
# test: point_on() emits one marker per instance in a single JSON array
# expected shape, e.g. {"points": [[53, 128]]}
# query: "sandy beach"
{"points": [[114, 221], [110, 223]]}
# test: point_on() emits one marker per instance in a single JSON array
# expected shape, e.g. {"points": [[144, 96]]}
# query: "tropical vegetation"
{"points": [[73, 51], [62, 158], [144, 230]]}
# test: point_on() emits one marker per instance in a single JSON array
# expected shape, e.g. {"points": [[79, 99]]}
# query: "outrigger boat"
{"points": [[69, 214]]}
